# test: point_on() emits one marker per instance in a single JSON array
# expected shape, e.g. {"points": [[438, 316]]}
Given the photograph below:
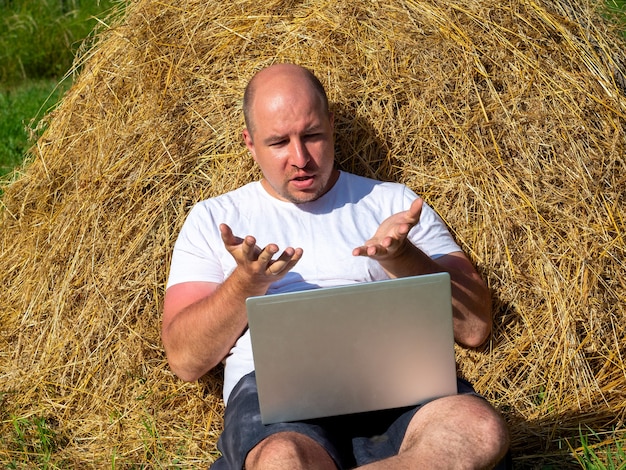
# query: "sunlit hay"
{"points": [[508, 117]]}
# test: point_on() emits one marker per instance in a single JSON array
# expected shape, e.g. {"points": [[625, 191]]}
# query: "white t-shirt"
{"points": [[327, 230]]}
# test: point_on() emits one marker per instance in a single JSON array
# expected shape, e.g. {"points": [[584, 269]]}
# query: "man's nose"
{"points": [[299, 155]]}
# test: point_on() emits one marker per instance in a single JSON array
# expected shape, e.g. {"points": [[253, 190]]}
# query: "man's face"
{"points": [[292, 142]]}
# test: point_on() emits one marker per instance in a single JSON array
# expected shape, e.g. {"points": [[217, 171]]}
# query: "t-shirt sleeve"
{"points": [[194, 257], [431, 234]]}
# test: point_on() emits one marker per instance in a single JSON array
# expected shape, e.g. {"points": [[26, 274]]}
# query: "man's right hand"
{"points": [[203, 320], [257, 262]]}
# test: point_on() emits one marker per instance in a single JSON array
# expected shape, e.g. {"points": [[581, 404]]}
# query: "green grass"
{"points": [[39, 38], [601, 452], [38, 42], [616, 11], [35, 443], [20, 106]]}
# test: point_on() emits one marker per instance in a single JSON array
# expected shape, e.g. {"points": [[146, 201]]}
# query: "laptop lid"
{"points": [[354, 348]]}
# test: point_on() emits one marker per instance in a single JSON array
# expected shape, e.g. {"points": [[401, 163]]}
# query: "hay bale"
{"points": [[510, 119]]}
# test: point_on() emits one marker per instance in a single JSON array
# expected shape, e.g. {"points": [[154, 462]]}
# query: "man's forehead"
{"points": [[288, 103]]}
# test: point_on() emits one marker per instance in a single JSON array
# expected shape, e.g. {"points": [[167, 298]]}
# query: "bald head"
{"points": [[279, 78]]}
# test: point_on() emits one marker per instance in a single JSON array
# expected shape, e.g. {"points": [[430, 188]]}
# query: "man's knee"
{"points": [[460, 426], [288, 450], [491, 432]]}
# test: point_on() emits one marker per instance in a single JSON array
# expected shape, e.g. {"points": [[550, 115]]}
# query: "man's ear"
{"points": [[247, 138]]}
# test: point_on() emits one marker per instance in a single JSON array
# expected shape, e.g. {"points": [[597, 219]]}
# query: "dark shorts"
{"points": [[351, 440]]}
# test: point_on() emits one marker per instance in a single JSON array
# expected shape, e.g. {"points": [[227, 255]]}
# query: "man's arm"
{"points": [[203, 320], [471, 301]]}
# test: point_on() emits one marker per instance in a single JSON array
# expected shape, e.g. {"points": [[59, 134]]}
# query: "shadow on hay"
{"points": [[213, 382], [359, 149], [548, 442], [543, 445]]}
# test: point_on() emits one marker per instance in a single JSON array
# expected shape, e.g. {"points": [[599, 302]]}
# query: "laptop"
{"points": [[353, 348]]}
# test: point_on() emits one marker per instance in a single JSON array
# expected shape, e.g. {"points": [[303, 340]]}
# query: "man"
{"points": [[346, 229]]}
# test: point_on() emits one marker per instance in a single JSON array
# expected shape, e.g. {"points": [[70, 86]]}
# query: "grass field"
{"points": [[21, 105], [38, 42], [618, 9]]}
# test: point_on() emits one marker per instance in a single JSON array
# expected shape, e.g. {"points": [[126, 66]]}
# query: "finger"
{"points": [[404, 229], [286, 261], [293, 261], [373, 250], [272, 269], [358, 251], [265, 255], [365, 250], [279, 265], [387, 242], [227, 235], [250, 249], [416, 209]]}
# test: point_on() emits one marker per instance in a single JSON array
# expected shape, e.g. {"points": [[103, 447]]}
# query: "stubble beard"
{"points": [[300, 197]]}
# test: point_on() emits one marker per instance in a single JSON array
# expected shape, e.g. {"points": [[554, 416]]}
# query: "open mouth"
{"points": [[302, 182]]}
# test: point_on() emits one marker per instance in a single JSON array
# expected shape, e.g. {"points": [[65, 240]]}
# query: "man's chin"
{"points": [[301, 197]]}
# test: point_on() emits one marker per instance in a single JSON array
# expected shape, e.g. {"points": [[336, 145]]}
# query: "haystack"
{"points": [[508, 117]]}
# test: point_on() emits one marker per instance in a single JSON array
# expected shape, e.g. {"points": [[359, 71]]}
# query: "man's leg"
{"points": [[457, 432], [245, 440], [289, 450]]}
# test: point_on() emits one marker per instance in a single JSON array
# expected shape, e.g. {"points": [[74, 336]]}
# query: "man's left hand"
{"points": [[391, 236]]}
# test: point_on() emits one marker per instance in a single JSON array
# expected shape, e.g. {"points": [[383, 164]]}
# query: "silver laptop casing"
{"points": [[354, 348]]}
